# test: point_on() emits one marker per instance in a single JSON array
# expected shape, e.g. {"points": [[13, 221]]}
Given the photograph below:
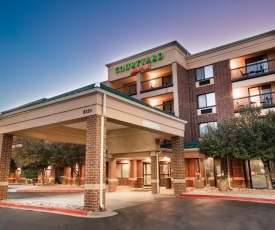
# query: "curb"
{"points": [[51, 190], [45, 209], [225, 197]]}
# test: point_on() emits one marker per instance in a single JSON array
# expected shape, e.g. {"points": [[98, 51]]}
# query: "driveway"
{"points": [[156, 214]]}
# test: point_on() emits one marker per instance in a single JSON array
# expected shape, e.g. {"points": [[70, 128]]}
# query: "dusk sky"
{"points": [[49, 47]]}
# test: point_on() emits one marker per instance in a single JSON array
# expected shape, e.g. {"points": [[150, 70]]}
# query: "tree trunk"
{"points": [[267, 175], [42, 177], [72, 175]]}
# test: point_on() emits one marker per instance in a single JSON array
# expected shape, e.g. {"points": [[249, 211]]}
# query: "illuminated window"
{"points": [[122, 170]]}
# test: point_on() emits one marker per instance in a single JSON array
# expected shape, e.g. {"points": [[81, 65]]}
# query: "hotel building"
{"points": [[149, 116]]}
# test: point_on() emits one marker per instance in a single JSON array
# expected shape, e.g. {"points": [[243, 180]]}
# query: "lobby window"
{"points": [[203, 127], [204, 73], [206, 100], [122, 170]]}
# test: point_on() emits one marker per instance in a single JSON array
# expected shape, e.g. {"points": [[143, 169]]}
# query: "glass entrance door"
{"points": [[147, 174], [164, 172]]}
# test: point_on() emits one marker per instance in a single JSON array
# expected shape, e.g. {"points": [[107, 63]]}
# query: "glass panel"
{"points": [[118, 171], [209, 171], [254, 96], [201, 101], [202, 128], [166, 80], [125, 170], [266, 97], [211, 100], [208, 71], [132, 89], [200, 74]]}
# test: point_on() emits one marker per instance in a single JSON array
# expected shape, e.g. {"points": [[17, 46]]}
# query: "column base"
{"points": [[3, 192], [91, 200]]}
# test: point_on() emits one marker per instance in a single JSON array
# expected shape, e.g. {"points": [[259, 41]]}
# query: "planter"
{"points": [[199, 183], [223, 185]]}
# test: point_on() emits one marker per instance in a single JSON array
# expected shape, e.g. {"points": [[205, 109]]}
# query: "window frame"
{"points": [[207, 123], [120, 164], [207, 106], [204, 78]]}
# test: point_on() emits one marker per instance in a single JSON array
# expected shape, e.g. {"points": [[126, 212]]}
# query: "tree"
{"points": [[33, 156], [68, 155], [247, 136]]}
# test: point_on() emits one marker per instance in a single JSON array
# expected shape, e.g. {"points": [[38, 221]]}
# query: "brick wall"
{"points": [[133, 173], [112, 180], [5, 158], [178, 165], [184, 100], [92, 164], [154, 173], [223, 91]]}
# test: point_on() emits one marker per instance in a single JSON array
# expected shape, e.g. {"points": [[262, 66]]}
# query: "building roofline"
{"points": [[149, 51], [84, 89], [228, 45]]}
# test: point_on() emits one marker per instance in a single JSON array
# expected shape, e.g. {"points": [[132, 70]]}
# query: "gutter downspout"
{"points": [[158, 171], [102, 153], [228, 174]]}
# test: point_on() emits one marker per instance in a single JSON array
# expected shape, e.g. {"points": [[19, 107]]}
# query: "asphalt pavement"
{"points": [[162, 213]]}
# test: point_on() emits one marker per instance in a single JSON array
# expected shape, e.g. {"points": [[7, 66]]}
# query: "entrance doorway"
{"points": [[147, 174], [164, 171]]}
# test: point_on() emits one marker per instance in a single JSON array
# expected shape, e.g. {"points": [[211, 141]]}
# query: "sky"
{"points": [[49, 47]]}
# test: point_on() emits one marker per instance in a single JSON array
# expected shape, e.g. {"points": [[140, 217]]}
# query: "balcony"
{"points": [[167, 106], [156, 83], [129, 90], [253, 70], [266, 100]]}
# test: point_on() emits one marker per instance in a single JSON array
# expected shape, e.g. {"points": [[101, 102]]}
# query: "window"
{"points": [[203, 127], [205, 72], [260, 95], [167, 80], [256, 64], [122, 170], [206, 100]]}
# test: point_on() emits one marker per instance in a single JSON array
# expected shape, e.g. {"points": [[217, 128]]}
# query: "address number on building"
{"points": [[85, 111]]}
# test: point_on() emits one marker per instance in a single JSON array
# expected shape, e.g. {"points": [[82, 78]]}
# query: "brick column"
{"points": [[178, 165], [154, 172], [112, 179], [133, 173], [52, 175], [5, 158], [92, 170]]}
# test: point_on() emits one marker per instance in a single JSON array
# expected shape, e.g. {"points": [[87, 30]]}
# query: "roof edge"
{"points": [[272, 32]]}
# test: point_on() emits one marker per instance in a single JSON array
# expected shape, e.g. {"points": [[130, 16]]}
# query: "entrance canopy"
{"points": [[63, 118]]}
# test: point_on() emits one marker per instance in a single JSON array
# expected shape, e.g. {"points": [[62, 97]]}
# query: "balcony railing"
{"points": [[156, 83], [253, 70], [266, 100], [129, 90], [167, 106]]}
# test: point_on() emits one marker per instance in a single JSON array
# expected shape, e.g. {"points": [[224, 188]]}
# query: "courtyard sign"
{"points": [[140, 65]]}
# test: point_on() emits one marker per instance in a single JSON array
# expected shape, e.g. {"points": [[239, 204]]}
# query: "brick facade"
{"points": [[154, 172], [5, 158], [133, 173], [92, 172], [188, 93], [179, 183], [112, 180]]}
